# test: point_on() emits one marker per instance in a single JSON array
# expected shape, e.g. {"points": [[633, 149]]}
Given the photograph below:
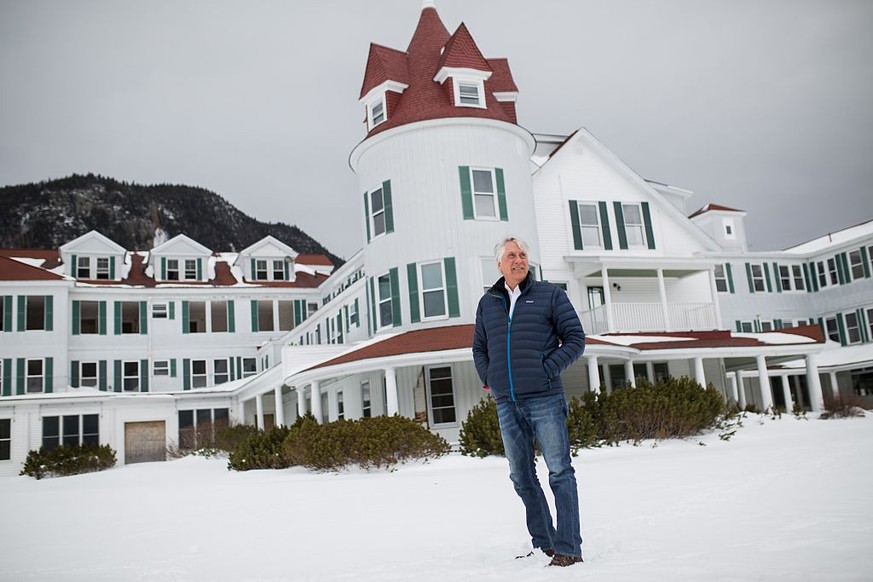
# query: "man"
{"points": [[527, 332]]}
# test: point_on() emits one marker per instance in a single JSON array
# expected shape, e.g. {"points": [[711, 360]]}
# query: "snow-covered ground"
{"points": [[783, 499]]}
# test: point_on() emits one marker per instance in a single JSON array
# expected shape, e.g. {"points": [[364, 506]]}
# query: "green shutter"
{"points": [[739, 325], [389, 207], [254, 266], [163, 268], [49, 314], [117, 366], [77, 323], [841, 326], [866, 262], [730, 276], [576, 225], [117, 318], [7, 377], [143, 375], [231, 316], [74, 373], [74, 267], [101, 375], [101, 325], [767, 277], [647, 222], [172, 310], [394, 278], [862, 321], [358, 312], [619, 222], [841, 272], [414, 306], [186, 323], [806, 278], [143, 318], [19, 380], [466, 192], [7, 313], [777, 324], [778, 277], [49, 376], [367, 213], [452, 287], [186, 374], [199, 269], [749, 276], [112, 268], [173, 368], [374, 316], [814, 276], [298, 317], [22, 312], [604, 224], [254, 315], [501, 194]]}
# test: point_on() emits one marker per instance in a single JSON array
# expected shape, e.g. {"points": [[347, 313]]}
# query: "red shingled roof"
{"points": [[313, 259], [12, 270], [431, 48], [711, 207]]}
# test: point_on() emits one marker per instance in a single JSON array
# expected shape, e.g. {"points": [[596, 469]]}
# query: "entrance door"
{"points": [[145, 442]]}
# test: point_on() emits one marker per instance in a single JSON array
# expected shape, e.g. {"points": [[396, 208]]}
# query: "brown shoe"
{"points": [[562, 560]]}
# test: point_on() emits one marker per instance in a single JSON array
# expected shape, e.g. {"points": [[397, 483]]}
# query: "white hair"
{"points": [[500, 248]]}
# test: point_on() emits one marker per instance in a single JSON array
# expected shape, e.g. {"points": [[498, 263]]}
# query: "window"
{"points": [[172, 269], [265, 315], [198, 373], [662, 371], [191, 269], [745, 326], [869, 314], [729, 232], [5, 439], [797, 274], [129, 316], [365, 399], [286, 315], [70, 431], [340, 407], [89, 317], [377, 113], [35, 312], [832, 330], [353, 313], [766, 325], [159, 311], [442, 397], [88, 375], [822, 275], [311, 308], [853, 327], [386, 303], [469, 94], [757, 278], [785, 277], [219, 316], [484, 193], [221, 371], [589, 223], [130, 376], [197, 427], [196, 316], [856, 264], [721, 282], [161, 368], [490, 273], [433, 292], [83, 268], [833, 275], [103, 268], [633, 225], [5, 313], [862, 382], [35, 376], [377, 212], [278, 270], [261, 270], [249, 367]]}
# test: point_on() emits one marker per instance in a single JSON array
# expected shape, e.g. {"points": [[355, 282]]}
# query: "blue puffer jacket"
{"points": [[524, 356]]}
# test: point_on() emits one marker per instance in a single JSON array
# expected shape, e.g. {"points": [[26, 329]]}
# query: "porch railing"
{"points": [[650, 317]]}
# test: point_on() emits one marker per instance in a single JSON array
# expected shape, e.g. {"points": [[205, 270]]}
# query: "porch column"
{"points": [[665, 308], [786, 391], [741, 387], [650, 371], [301, 401], [629, 373], [393, 403], [764, 381], [259, 411], [732, 379], [593, 374], [607, 297], [280, 409], [315, 401], [813, 383], [699, 375], [835, 388]]}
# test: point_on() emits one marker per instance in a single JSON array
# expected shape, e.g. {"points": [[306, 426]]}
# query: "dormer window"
{"points": [[469, 94], [83, 268], [377, 113], [265, 268], [181, 270], [172, 269], [103, 268], [190, 269]]}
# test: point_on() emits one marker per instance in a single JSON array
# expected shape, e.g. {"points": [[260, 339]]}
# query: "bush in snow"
{"points": [[480, 432], [380, 441], [260, 450], [843, 406], [68, 460]]}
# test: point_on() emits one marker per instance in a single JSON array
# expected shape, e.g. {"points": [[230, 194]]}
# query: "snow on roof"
{"points": [[834, 356], [834, 239]]}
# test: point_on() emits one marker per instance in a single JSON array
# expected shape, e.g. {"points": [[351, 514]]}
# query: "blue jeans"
{"points": [[544, 419]]}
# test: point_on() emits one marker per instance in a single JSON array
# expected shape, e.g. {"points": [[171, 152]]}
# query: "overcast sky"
{"points": [[761, 105]]}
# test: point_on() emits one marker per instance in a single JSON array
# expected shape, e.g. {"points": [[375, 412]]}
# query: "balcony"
{"points": [[650, 317]]}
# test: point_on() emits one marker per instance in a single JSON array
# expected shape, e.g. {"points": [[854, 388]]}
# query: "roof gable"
{"points": [[181, 246], [384, 64], [268, 246], [92, 243]]}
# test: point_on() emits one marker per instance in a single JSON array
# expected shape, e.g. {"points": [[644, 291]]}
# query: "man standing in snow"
{"points": [[527, 332]]}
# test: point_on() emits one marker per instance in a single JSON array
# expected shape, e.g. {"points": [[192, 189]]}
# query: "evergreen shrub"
{"points": [[68, 460], [480, 432], [260, 450]]}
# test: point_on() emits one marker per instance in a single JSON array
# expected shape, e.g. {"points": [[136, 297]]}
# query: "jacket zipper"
{"points": [[508, 348]]}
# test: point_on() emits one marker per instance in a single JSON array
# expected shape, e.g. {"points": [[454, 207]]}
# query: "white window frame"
{"points": [[442, 289], [382, 300], [27, 315], [721, 279], [490, 272], [366, 399], [249, 367], [587, 228], [639, 228], [83, 267], [161, 368], [856, 264], [377, 112], [758, 278], [199, 379], [463, 99], [173, 273], [278, 271], [832, 332], [129, 379], [833, 275], [34, 377], [87, 380], [797, 277], [102, 268], [482, 194], [160, 311], [375, 214], [353, 314], [5, 441], [822, 274], [430, 396], [340, 406], [747, 327], [730, 231], [190, 269], [853, 328], [220, 377]]}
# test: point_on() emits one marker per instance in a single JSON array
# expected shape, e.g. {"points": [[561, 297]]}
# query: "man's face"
{"points": [[513, 265]]}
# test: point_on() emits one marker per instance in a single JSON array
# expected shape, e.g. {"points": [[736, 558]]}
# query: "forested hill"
{"points": [[48, 214]]}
